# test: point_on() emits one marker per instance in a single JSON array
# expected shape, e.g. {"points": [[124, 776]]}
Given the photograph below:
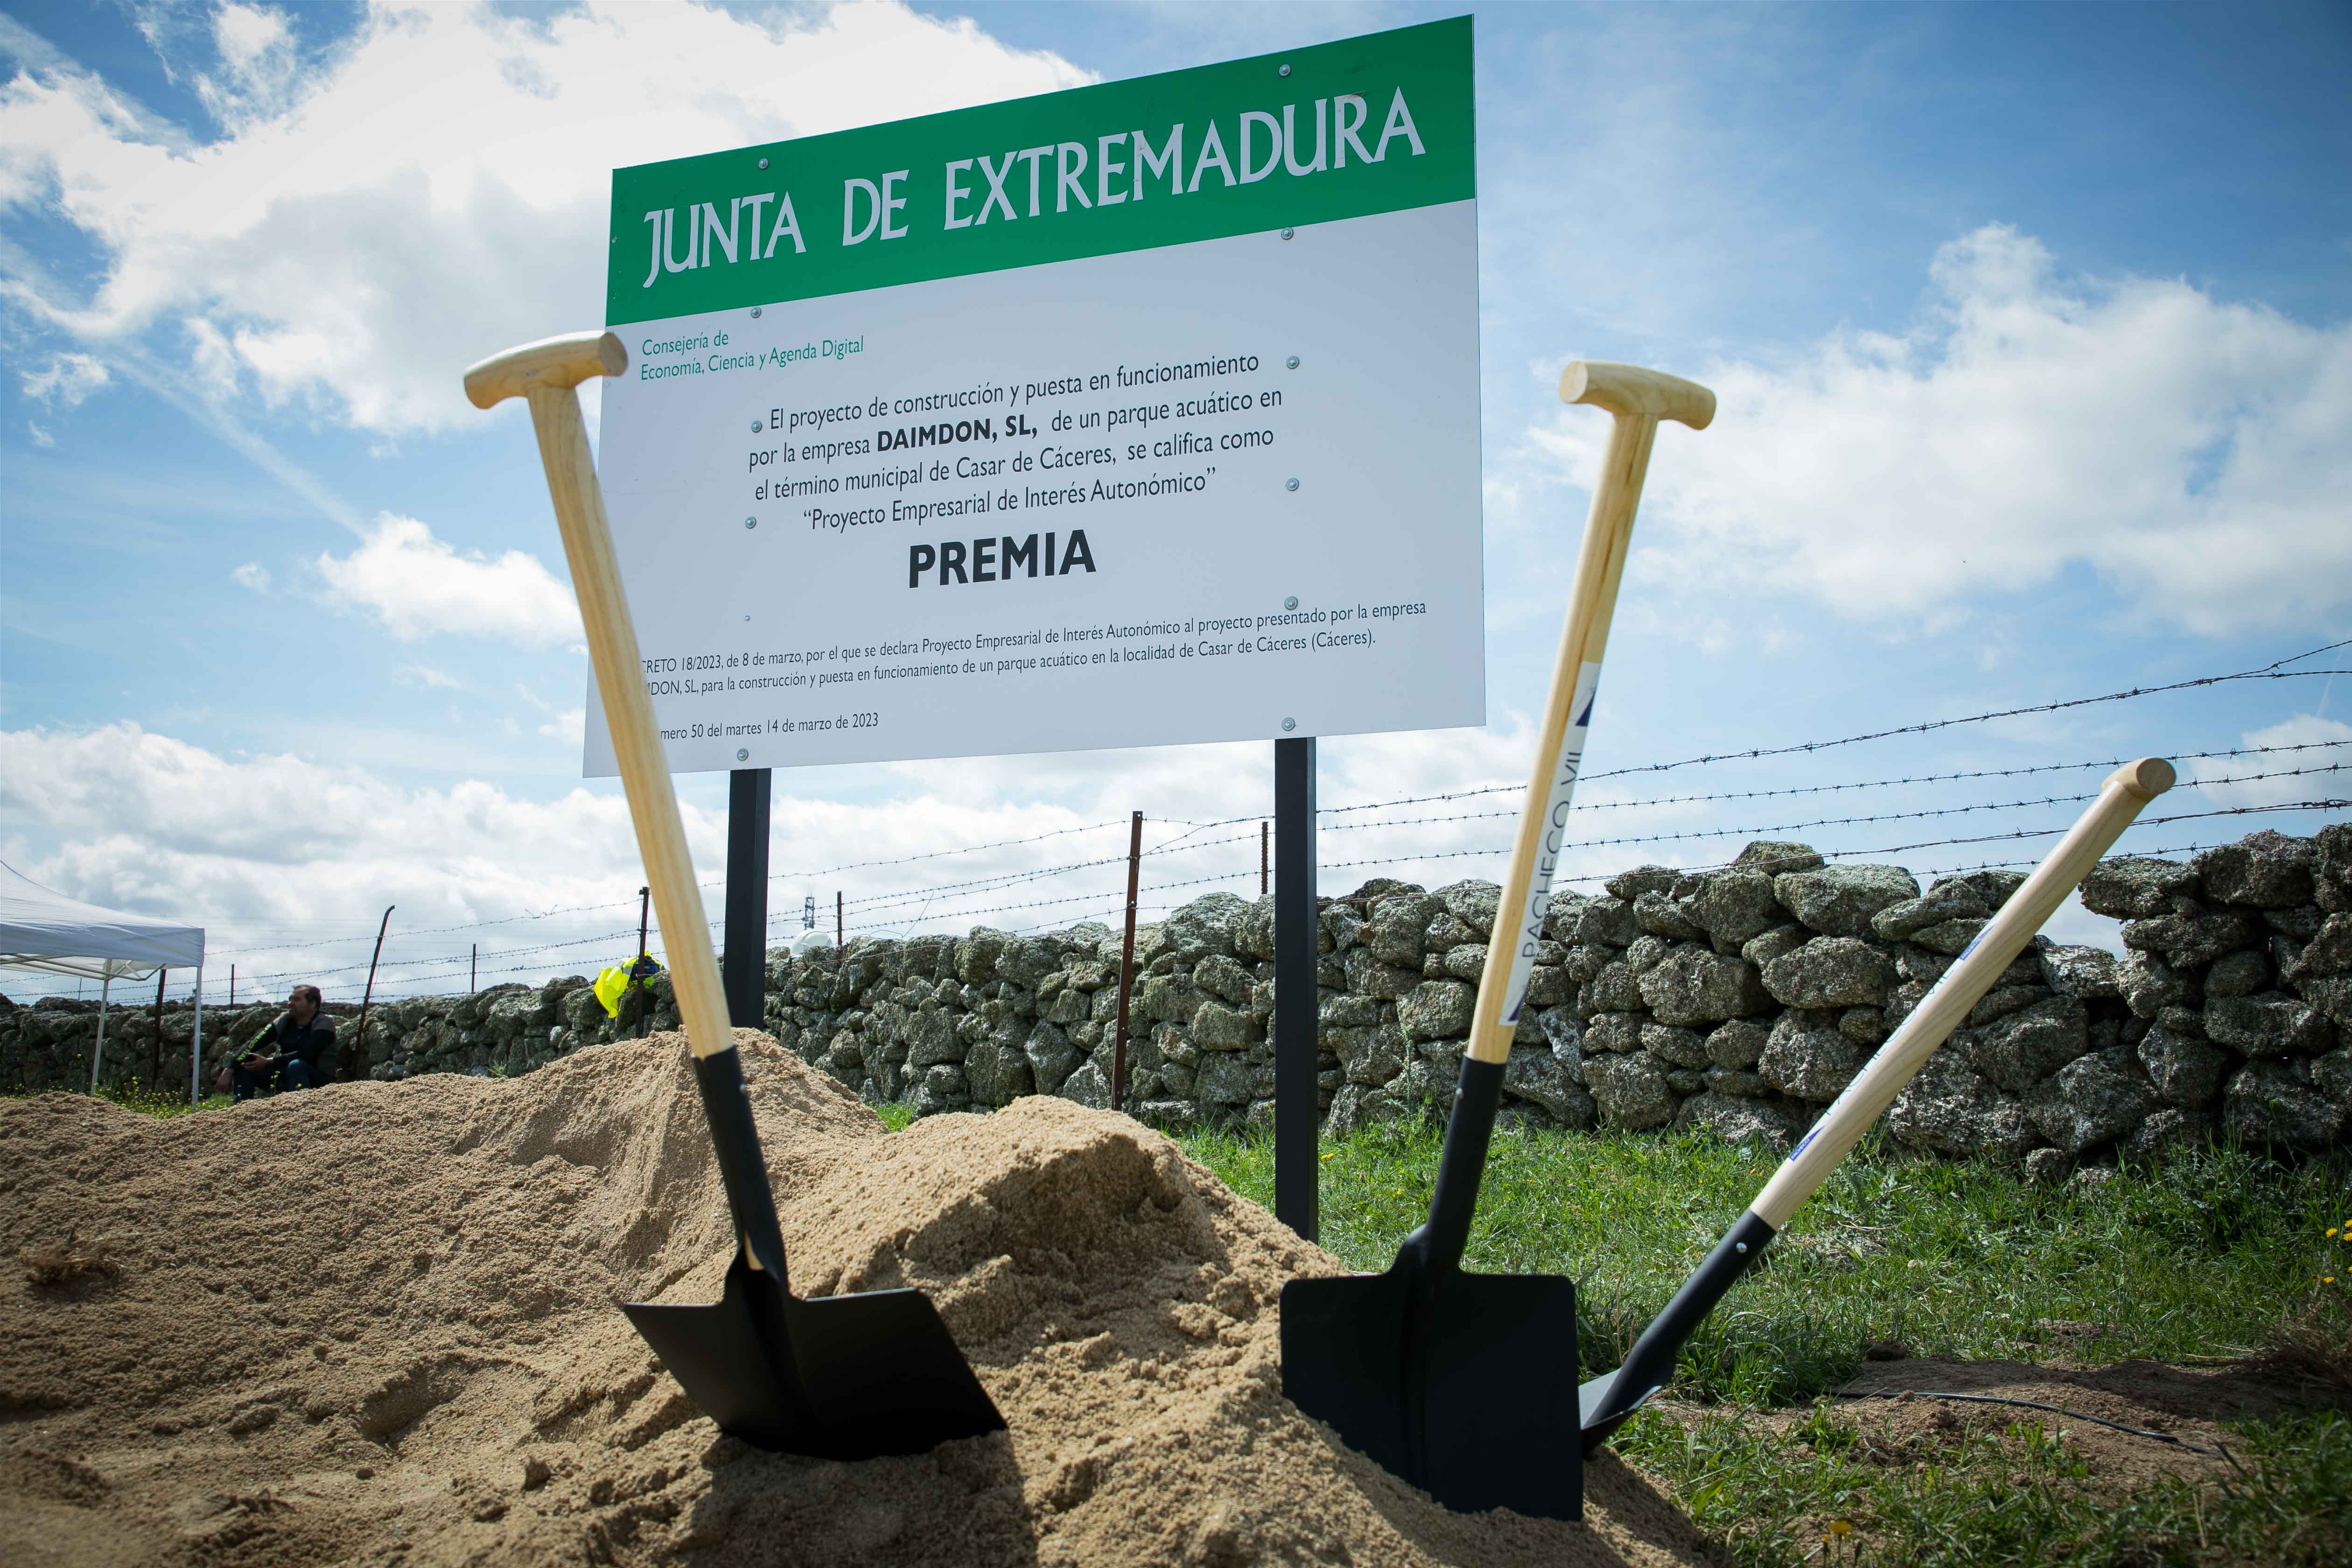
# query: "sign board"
{"points": [[1138, 414]]}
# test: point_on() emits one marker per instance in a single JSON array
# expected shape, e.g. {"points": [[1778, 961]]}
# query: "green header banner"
{"points": [[1375, 124]]}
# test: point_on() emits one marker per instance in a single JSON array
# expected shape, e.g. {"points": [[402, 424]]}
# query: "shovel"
{"points": [[837, 1377], [1457, 1381], [1604, 1402]]}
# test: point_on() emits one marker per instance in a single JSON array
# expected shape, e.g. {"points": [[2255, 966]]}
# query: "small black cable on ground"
{"points": [[2033, 1404]]}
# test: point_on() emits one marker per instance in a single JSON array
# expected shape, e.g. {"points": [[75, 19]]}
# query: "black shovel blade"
{"points": [[1598, 1412], [834, 1377], [1607, 1401], [1464, 1384]]}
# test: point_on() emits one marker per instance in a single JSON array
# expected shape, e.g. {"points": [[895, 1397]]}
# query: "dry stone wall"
{"points": [[1740, 1000]]}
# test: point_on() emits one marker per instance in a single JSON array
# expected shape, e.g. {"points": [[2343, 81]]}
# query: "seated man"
{"points": [[302, 1050]]}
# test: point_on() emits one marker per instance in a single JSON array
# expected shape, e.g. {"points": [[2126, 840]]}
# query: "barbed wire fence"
{"points": [[895, 897]]}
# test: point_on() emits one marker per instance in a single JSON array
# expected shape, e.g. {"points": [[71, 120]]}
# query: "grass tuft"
{"points": [[151, 1100], [2316, 1342]]}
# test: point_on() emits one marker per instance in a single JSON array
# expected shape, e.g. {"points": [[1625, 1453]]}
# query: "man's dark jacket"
{"points": [[313, 1042]]}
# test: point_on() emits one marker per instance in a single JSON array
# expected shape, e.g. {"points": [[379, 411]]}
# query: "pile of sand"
{"points": [[376, 1323]]}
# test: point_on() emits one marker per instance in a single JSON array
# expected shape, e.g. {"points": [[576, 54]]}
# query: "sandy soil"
{"points": [[376, 1323]]}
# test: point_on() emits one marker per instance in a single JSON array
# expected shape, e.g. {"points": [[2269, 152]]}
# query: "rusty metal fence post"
{"points": [[1126, 965]]}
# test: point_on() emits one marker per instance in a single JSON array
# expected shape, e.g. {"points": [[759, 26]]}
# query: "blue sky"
{"points": [[2030, 324]]}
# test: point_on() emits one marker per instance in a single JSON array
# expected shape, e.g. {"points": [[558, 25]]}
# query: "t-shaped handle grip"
{"points": [[1629, 389], [566, 361]]}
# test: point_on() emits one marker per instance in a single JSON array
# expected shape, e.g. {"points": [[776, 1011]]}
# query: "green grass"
{"points": [[2012, 1495], [2199, 1257], [2196, 1257], [172, 1100], [149, 1101]]}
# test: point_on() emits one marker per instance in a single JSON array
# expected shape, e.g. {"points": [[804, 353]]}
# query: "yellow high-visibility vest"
{"points": [[610, 983], [613, 981]]}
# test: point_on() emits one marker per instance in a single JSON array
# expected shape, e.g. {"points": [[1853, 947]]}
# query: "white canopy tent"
{"points": [[46, 931]]}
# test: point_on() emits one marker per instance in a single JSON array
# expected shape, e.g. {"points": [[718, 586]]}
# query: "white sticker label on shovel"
{"points": [[1554, 835]]}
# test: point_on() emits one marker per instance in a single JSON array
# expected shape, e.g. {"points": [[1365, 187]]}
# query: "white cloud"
{"points": [[272, 850], [419, 585], [253, 575], [437, 188], [563, 724], [281, 852], [426, 675], [2196, 453], [67, 379], [256, 55], [40, 438], [2320, 768], [212, 361]]}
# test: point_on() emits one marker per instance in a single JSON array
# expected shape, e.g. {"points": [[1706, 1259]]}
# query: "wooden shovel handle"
{"points": [[546, 373], [550, 362], [2121, 795], [1637, 399], [1629, 389]]}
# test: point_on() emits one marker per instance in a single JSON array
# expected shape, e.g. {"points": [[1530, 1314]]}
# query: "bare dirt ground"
{"points": [[2188, 1404]]}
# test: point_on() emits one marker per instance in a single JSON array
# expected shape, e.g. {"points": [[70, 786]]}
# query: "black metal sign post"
{"points": [[1296, 1119], [743, 964]]}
